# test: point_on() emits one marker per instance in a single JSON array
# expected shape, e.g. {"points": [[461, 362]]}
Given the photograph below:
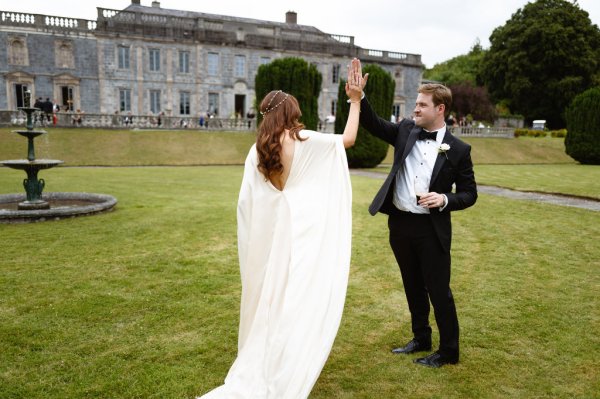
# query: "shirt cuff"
{"points": [[445, 203], [361, 97]]}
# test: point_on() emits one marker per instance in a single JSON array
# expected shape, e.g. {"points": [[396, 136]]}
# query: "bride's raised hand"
{"points": [[355, 82], [357, 70]]}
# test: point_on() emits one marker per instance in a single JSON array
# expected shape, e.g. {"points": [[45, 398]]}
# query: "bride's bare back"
{"points": [[287, 156]]}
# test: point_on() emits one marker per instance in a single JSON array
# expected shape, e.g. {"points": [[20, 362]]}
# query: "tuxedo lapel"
{"points": [[441, 158], [410, 142]]}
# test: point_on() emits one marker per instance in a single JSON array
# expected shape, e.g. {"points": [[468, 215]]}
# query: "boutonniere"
{"points": [[444, 148]]}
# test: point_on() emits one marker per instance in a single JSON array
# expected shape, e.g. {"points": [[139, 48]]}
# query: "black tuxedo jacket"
{"points": [[454, 167]]}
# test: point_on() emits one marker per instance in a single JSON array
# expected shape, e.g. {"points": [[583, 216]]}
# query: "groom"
{"points": [[419, 220]]}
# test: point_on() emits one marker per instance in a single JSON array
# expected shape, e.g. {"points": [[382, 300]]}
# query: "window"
{"points": [[155, 101], [23, 96], [184, 61], [335, 74], [124, 100], [64, 55], [213, 103], [17, 52], [264, 60], [213, 64], [398, 110], [184, 103], [123, 54], [333, 107], [240, 66], [154, 55], [67, 98]]}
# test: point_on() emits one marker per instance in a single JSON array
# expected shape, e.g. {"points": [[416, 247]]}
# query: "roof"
{"points": [[195, 14]]}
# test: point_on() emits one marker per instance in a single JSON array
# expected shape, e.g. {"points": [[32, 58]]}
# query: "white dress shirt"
{"points": [[417, 166]]}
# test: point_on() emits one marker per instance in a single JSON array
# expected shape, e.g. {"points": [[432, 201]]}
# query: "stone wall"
{"points": [[95, 78]]}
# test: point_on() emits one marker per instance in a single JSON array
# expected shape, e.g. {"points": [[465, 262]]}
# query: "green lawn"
{"points": [[520, 151], [79, 147], [130, 147], [572, 179], [143, 302]]}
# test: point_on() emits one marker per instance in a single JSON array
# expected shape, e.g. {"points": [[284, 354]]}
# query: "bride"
{"points": [[294, 235]]}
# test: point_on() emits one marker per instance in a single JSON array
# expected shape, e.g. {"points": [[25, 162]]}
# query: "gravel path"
{"points": [[563, 200]]}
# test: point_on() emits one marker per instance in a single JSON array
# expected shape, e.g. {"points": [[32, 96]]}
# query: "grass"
{"points": [[131, 148], [80, 147], [520, 151], [572, 179], [143, 302]]}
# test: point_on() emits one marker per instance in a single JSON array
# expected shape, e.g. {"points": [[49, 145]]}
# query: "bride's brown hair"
{"points": [[280, 112]]}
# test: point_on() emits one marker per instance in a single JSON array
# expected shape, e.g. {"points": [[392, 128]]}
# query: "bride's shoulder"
{"points": [[317, 136]]}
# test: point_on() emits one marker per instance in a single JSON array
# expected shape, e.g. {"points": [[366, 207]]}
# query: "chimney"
{"points": [[291, 17], [135, 2], [156, 4]]}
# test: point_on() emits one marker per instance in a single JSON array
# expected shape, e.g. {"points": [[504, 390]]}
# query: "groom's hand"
{"points": [[432, 200]]}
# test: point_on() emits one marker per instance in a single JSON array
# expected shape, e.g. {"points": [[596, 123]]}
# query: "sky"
{"points": [[438, 30]]}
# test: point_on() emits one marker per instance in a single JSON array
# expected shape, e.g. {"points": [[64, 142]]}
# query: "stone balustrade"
{"points": [[121, 121], [46, 22], [471, 131], [232, 31]]}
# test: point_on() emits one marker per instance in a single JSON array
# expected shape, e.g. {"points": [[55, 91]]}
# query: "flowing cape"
{"points": [[294, 253]]}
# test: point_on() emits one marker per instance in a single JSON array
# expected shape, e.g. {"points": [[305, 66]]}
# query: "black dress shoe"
{"points": [[435, 360], [412, 347]]}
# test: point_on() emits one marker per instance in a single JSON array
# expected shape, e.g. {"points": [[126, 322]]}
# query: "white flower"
{"points": [[444, 148]]}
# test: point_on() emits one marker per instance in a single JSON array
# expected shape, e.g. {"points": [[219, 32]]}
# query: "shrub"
{"points": [[558, 133], [294, 76], [540, 133], [368, 151], [583, 124]]}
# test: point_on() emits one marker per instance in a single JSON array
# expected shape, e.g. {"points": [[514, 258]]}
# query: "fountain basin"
{"points": [[62, 205], [24, 164], [30, 133]]}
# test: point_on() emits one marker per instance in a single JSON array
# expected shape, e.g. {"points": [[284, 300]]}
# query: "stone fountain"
{"points": [[33, 185], [33, 206]]}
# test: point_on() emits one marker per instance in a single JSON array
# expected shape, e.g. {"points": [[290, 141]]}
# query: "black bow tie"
{"points": [[423, 135]]}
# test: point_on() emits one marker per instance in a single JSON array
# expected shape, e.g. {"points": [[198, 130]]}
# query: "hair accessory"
{"points": [[266, 111]]}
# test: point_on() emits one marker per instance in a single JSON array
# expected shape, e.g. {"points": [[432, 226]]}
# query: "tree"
{"points": [[458, 70], [294, 76], [470, 99], [547, 53], [368, 151], [583, 126]]}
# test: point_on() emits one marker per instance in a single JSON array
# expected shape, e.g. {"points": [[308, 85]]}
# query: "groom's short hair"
{"points": [[440, 94]]}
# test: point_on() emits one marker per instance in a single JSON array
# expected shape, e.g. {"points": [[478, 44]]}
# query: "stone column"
{"points": [[169, 80], [100, 48], [139, 81]]}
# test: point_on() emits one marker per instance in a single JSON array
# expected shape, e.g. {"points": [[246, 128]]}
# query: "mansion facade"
{"points": [[147, 60]]}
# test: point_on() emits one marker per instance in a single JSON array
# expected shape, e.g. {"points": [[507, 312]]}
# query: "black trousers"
{"points": [[425, 269]]}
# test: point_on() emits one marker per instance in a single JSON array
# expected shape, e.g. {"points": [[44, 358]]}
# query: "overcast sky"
{"points": [[436, 29]]}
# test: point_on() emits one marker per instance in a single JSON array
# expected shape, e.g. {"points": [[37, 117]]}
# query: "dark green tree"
{"points": [[368, 151], [458, 70], [294, 76], [545, 54], [583, 126]]}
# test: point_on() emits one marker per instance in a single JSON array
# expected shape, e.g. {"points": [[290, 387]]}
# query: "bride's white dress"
{"points": [[294, 252]]}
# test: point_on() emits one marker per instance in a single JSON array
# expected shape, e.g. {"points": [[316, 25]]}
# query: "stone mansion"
{"points": [[147, 60]]}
